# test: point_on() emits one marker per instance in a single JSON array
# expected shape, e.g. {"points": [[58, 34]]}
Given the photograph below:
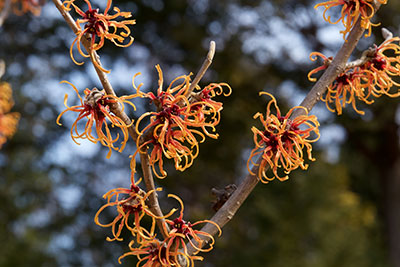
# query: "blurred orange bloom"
{"points": [[100, 26], [96, 109], [282, 141], [8, 120], [21, 7], [351, 11]]}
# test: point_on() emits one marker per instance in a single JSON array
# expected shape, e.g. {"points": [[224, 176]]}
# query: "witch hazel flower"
{"points": [[99, 26], [283, 142], [365, 79], [182, 120], [181, 232], [153, 253], [21, 7], [380, 69], [350, 12], [172, 251], [130, 203], [95, 110], [204, 111]]}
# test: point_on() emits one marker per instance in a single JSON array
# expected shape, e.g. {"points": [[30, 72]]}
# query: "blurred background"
{"points": [[343, 211]]}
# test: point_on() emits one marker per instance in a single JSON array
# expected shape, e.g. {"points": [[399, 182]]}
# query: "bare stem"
{"points": [[153, 198], [206, 64], [367, 55], [228, 210], [2, 68]]}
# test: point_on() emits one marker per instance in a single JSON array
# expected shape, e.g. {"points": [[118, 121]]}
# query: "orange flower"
{"points": [[313, 57], [133, 203], [96, 108], [282, 141], [152, 253], [182, 232], [380, 68], [371, 76], [351, 11], [8, 121], [21, 7], [100, 26], [205, 112], [346, 89], [172, 129], [174, 148]]}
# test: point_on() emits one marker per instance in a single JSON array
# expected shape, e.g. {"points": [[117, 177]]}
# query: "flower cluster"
{"points": [[282, 141], [351, 11], [20, 7], [173, 250], [370, 78], [99, 26], [185, 115], [182, 120], [8, 120], [96, 109]]}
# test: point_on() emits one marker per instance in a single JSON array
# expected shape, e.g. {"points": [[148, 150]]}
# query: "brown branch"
{"points": [[117, 110], [206, 64], [153, 198], [229, 209], [370, 52], [2, 68], [367, 54]]}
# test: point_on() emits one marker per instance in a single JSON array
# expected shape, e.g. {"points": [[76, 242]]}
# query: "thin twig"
{"points": [[153, 198], [2, 68], [117, 110], [367, 54], [228, 210], [206, 64]]}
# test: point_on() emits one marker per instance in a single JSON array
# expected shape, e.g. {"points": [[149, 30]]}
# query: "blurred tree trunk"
{"points": [[391, 209], [375, 146], [388, 157]]}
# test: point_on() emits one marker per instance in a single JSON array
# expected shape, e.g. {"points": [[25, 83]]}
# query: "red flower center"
{"points": [[167, 112], [131, 209], [180, 226], [343, 79], [379, 63], [272, 141], [94, 25]]}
